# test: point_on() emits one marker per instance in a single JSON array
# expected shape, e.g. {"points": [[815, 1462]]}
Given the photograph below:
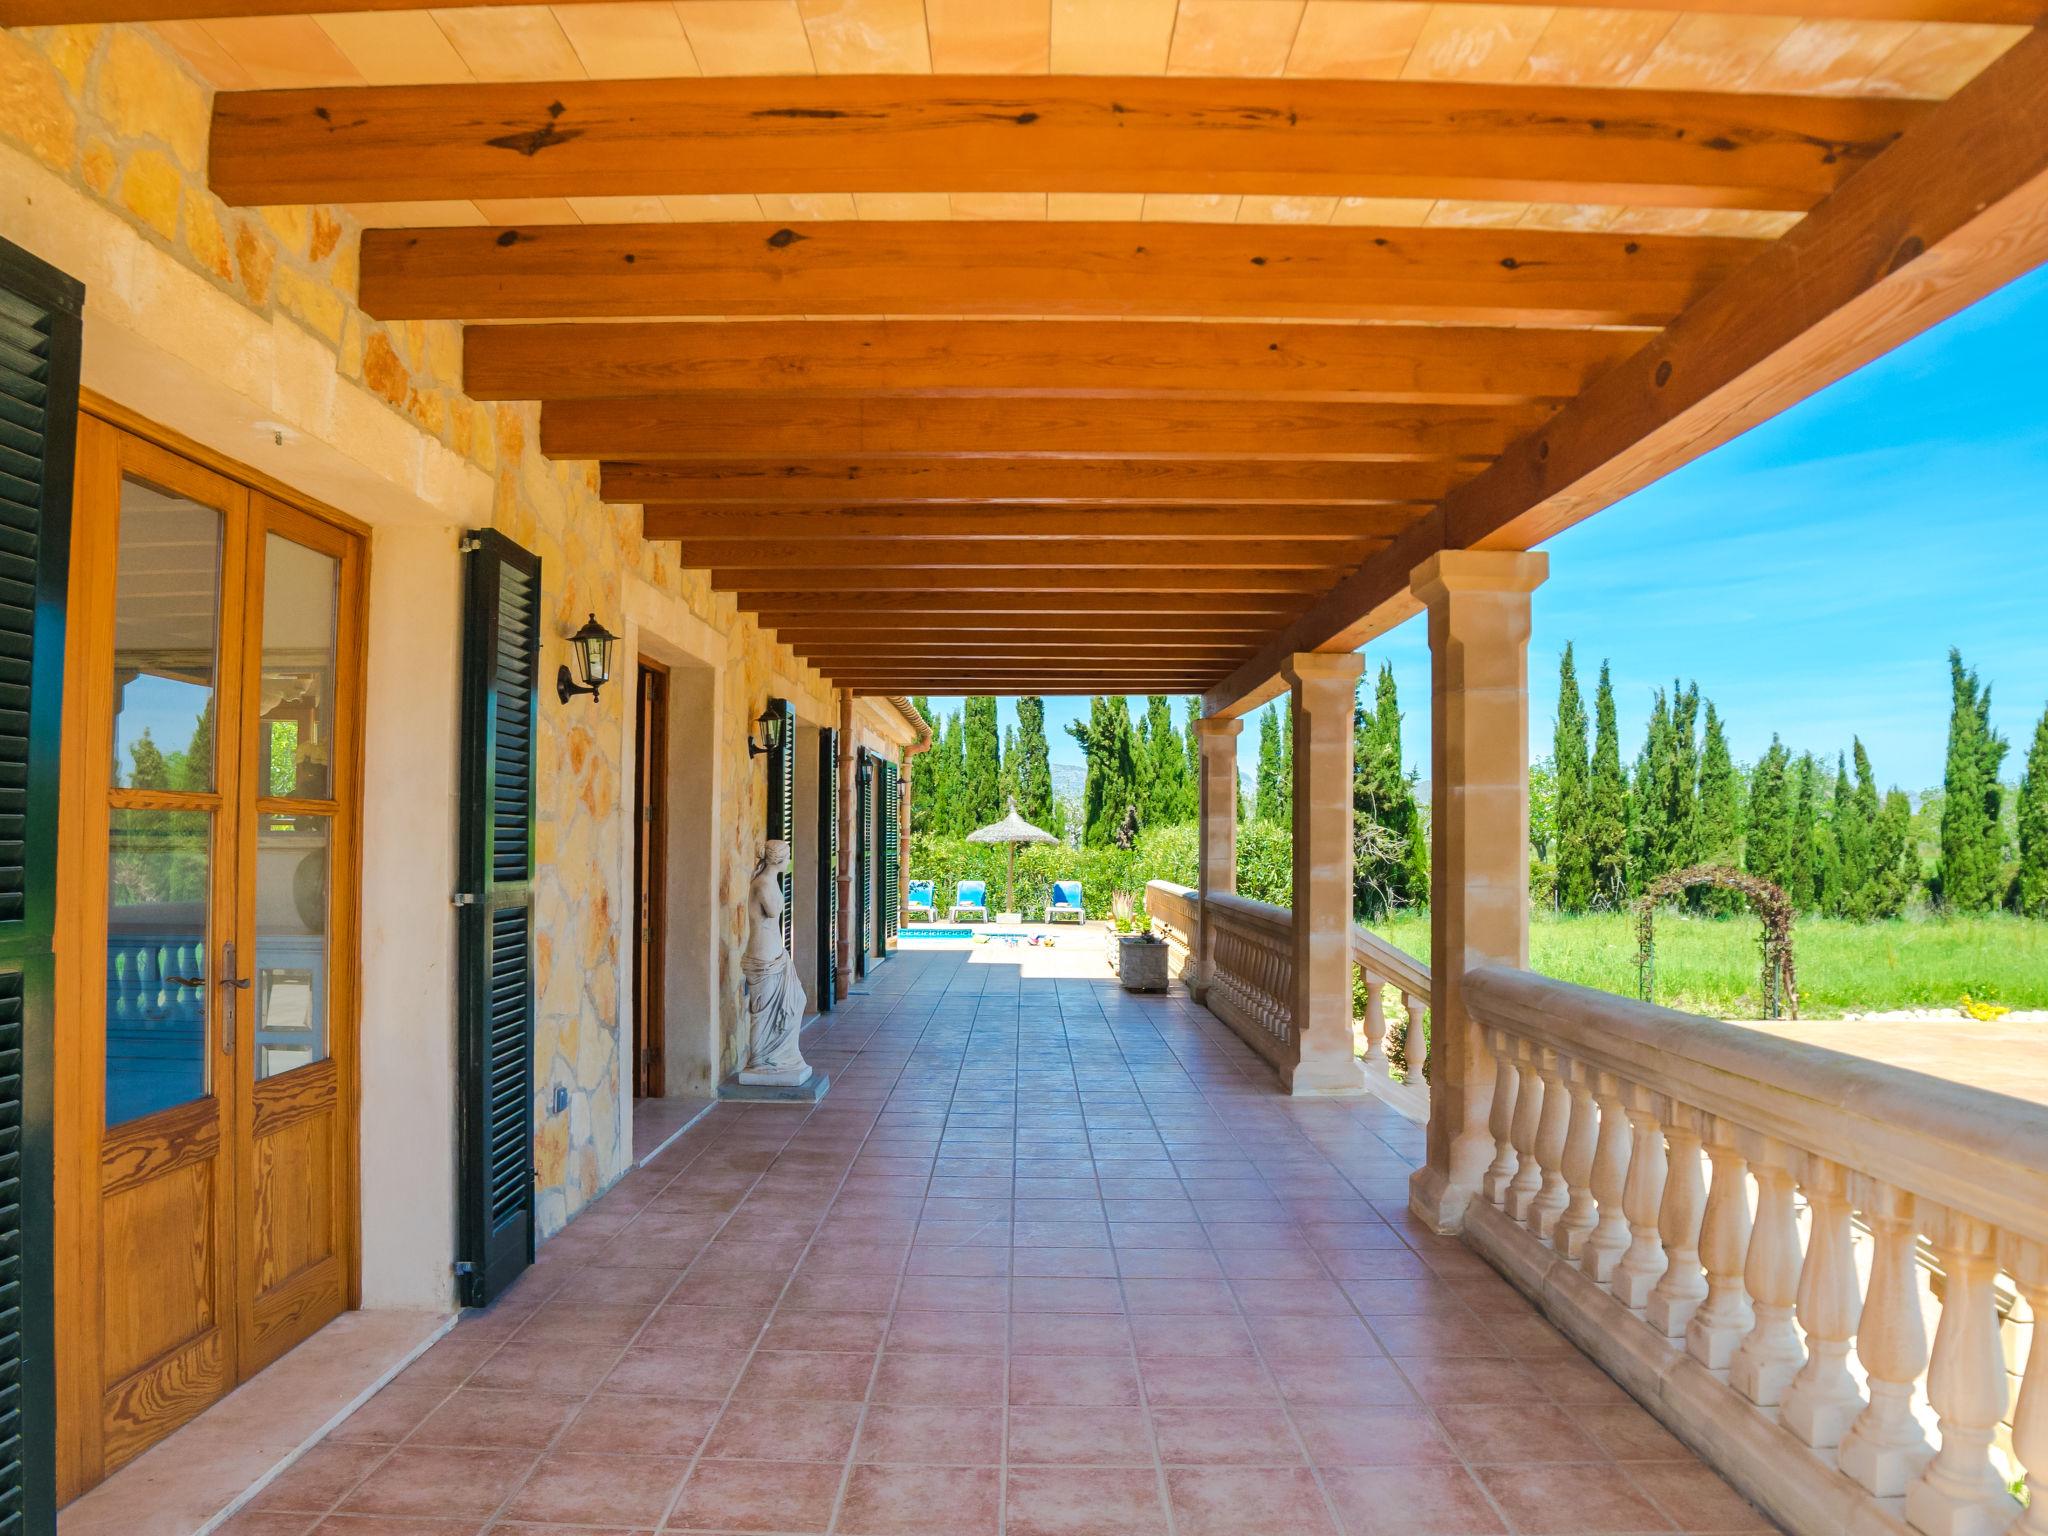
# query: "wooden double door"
{"points": [[206, 1169]]}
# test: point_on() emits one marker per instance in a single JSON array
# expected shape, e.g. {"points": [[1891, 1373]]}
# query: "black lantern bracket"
{"points": [[591, 646], [771, 722]]}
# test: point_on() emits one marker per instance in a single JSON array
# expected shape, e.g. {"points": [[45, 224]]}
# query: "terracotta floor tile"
{"points": [[706, 1373], [636, 1426], [1175, 1381], [1515, 1432], [949, 1333], [1074, 1381], [1247, 1501], [1410, 1501], [1313, 1338], [1202, 1335], [599, 1490], [506, 1420], [1042, 1434], [797, 1373], [439, 1481], [1582, 1500], [1695, 1497], [921, 1435], [316, 1482], [1069, 1333], [1218, 1437], [397, 1525], [540, 1366], [1074, 1501], [758, 1496], [921, 1501], [1371, 1436], [391, 1415], [1626, 1433], [256, 1522], [825, 1330], [678, 1328], [925, 1379], [788, 1429]]}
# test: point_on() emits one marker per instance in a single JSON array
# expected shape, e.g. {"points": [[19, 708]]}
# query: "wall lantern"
{"points": [[866, 771], [591, 646], [771, 722]]}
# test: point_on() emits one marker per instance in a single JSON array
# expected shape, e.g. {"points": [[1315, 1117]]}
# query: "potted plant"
{"points": [[1140, 954]]}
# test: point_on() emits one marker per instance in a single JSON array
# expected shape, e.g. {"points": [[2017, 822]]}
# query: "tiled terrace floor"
{"points": [[1048, 1259]]}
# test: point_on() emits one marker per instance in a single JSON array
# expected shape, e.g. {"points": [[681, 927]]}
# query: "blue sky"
{"points": [[1812, 574]]}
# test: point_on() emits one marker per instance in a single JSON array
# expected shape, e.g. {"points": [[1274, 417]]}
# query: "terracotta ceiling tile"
{"points": [[628, 42], [1190, 208], [1704, 52], [1233, 37], [1382, 210], [196, 46], [989, 37], [794, 206], [1749, 223], [902, 205], [1111, 37], [998, 205], [747, 37], [511, 42], [1356, 39], [441, 215], [396, 47], [1285, 210], [1471, 213], [1595, 46], [712, 207], [527, 210], [867, 37], [620, 210], [1476, 42], [1939, 59], [1660, 221], [1583, 217], [1830, 57], [283, 51], [1118, 207]]}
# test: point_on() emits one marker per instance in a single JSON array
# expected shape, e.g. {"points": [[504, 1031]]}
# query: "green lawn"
{"points": [[1711, 966]]}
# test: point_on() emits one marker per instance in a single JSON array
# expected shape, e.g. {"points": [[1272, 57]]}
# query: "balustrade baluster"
{"points": [[1575, 1224], [1551, 1129], [1678, 1294], [1724, 1318], [1500, 1119], [1961, 1493], [1609, 1240], [1772, 1354], [1528, 1110], [1885, 1448], [1414, 1039], [1823, 1401], [1375, 1024], [1642, 1195], [2029, 1267]]}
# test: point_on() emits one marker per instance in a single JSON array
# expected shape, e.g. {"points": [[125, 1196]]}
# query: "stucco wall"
{"points": [[239, 329]]}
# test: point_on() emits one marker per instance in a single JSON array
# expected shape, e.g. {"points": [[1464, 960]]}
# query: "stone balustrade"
{"points": [[1735, 1226]]}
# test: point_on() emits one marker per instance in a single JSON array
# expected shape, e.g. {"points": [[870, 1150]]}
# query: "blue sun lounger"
{"points": [[970, 896], [1065, 906], [918, 905]]}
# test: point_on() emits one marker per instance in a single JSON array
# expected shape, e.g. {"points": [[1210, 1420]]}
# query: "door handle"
{"points": [[231, 984]]}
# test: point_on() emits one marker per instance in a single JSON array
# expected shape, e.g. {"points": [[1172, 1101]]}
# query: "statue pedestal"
{"points": [[808, 1091]]}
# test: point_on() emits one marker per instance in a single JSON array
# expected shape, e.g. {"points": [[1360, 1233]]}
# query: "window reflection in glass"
{"points": [[292, 884], [166, 624], [299, 600], [157, 974]]}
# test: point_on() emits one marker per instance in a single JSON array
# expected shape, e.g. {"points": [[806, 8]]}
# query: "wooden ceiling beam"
{"points": [[965, 133], [1107, 482], [1163, 629], [1164, 609], [1005, 687], [977, 645], [904, 524], [856, 581], [653, 428], [1955, 210], [1392, 364], [998, 268], [1166, 554]]}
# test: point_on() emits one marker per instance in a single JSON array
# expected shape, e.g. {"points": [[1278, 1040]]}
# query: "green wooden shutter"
{"points": [[500, 702], [782, 809], [892, 863], [40, 312], [828, 868], [863, 844]]}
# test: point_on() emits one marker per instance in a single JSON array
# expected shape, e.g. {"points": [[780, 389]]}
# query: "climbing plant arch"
{"points": [[1769, 902]]}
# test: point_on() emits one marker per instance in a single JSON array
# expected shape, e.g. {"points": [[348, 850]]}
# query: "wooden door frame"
{"points": [[110, 440], [650, 879]]}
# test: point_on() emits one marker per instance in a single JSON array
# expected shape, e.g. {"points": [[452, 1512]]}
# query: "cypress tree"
{"points": [[1971, 840], [1717, 837], [1607, 804], [921, 800], [1034, 764], [1804, 871], [1647, 838], [981, 790], [1679, 782], [1571, 836], [1111, 790], [1392, 862], [1857, 808], [1275, 787], [1895, 863], [1194, 742], [2030, 885], [1165, 771], [1767, 851], [946, 760], [1006, 781]]}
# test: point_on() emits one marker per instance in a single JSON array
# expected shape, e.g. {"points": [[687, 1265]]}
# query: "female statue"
{"points": [[775, 998]]}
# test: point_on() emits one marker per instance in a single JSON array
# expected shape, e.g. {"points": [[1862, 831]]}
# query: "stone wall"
{"points": [[103, 134]]}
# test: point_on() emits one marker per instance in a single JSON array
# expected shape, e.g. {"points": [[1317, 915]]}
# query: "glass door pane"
{"points": [[166, 639], [159, 884], [300, 594], [292, 885]]}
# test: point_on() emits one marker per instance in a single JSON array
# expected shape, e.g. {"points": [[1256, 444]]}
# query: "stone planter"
{"points": [[1141, 963]]}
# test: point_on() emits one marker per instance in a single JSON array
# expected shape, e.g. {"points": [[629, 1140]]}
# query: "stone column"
{"points": [[1325, 700], [1218, 819], [1478, 602]]}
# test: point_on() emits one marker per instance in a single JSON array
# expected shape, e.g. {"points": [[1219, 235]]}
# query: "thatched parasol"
{"points": [[1012, 829]]}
